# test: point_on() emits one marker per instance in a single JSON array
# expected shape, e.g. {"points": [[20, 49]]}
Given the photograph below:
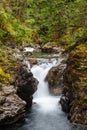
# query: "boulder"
{"points": [[12, 108], [32, 61], [26, 85], [49, 47], [55, 79]]}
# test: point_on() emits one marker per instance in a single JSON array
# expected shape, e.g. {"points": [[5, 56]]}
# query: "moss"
{"points": [[75, 79], [4, 77], [50, 44], [8, 65]]}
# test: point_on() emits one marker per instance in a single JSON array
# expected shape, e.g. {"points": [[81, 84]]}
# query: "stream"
{"points": [[46, 113]]}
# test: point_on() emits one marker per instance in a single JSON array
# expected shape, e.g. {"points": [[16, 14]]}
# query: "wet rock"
{"points": [[2, 100], [55, 78], [35, 46], [64, 101], [85, 128], [12, 108], [75, 87], [26, 85], [49, 47], [32, 61]]}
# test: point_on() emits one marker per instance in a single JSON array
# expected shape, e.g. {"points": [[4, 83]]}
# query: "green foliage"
{"points": [[72, 36], [2, 53], [47, 20], [4, 76], [53, 18], [12, 28]]}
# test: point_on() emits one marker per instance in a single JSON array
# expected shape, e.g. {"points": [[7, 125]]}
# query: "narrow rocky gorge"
{"points": [[65, 79]]}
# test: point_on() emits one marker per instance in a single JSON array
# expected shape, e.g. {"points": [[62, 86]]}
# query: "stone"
{"points": [[2, 100], [74, 99], [32, 61], [49, 47], [12, 108], [64, 101], [55, 79], [26, 85]]}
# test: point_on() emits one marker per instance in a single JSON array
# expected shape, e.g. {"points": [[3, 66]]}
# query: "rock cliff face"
{"points": [[51, 48], [55, 79], [14, 99], [74, 99], [26, 85]]}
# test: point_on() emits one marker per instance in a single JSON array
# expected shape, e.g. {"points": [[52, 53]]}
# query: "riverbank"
{"points": [[75, 86], [15, 94]]}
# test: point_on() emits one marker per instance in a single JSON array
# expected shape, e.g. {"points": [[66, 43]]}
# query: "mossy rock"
{"points": [[49, 47], [75, 80], [4, 76]]}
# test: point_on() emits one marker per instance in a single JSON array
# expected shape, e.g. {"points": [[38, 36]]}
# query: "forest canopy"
{"points": [[42, 20]]}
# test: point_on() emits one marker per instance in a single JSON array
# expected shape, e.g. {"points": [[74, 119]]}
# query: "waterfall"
{"points": [[45, 113], [28, 49], [42, 97]]}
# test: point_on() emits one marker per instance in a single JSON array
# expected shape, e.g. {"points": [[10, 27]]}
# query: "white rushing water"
{"points": [[42, 97], [28, 49]]}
